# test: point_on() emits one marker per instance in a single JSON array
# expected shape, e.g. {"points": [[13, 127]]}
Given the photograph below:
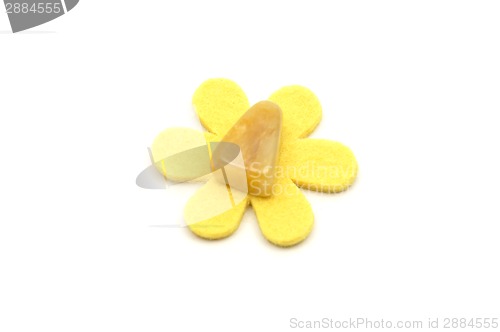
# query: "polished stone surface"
{"points": [[257, 133]]}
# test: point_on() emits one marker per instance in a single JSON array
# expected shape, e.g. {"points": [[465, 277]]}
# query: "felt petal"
{"points": [[215, 211], [301, 110], [318, 164], [210, 137], [286, 218], [178, 153], [219, 103]]}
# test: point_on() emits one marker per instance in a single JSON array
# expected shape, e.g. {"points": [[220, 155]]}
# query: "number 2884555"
{"points": [[36, 8]]}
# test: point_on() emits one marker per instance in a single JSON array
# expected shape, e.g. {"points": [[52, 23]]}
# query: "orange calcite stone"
{"points": [[257, 133]]}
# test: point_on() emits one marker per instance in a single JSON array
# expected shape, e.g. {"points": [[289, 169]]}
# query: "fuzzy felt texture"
{"points": [[219, 103], [285, 218], [319, 164], [175, 141], [301, 111], [215, 211]]}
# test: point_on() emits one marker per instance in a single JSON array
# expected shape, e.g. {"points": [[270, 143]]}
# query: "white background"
{"points": [[411, 87]]}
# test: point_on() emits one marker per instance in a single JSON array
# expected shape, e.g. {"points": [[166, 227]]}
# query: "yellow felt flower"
{"points": [[285, 218]]}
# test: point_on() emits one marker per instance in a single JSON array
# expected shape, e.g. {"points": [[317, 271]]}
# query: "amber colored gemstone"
{"points": [[257, 133]]}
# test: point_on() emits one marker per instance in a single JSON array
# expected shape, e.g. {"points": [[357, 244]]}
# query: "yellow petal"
{"points": [[219, 103], [215, 212], [319, 164], [301, 110], [286, 218], [176, 142], [210, 137]]}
